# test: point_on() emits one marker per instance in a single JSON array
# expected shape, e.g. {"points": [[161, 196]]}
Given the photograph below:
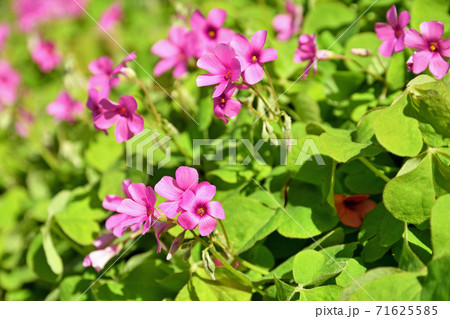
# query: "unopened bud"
{"points": [[361, 52], [128, 72], [177, 242]]}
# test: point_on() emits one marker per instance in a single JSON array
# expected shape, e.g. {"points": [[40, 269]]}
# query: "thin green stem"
{"points": [[156, 115], [375, 170], [252, 109], [225, 234], [260, 96], [249, 265], [376, 76], [272, 88]]}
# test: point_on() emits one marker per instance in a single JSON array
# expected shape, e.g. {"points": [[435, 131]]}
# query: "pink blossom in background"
{"points": [[9, 83], [112, 15], [223, 66], [409, 63], [123, 114], [307, 50], [251, 55], [175, 51], [288, 24], [4, 34], [31, 13], [431, 49], [140, 207], [210, 30], [198, 209], [23, 123], [103, 241], [104, 75], [100, 257], [115, 222], [46, 56], [392, 33], [173, 189], [225, 106], [64, 108]]}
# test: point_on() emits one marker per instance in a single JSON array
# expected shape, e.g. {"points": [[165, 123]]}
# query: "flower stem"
{"points": [[252, 267], [225, 234], [272, 88], [260, 96], [156, 115], [375, 170], [363, 68], [252, 108]]}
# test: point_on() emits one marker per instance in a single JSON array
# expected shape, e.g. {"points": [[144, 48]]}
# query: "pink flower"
{"points": [[409, 63], [64, 108], [115, 223], [159, 228], [124, 114], [223, 66], [290, 23], [111, 16], [210, 29], [4, 34], [93, 103], [31, 13], [46, 56], [175, 52], [225, 106], [105, 76], [251, 55], [198, 209], [393, 33], [430, 49], [307, 50], [23, 122], [100, 257], [173, 189], [9, 83], [140, 207]]}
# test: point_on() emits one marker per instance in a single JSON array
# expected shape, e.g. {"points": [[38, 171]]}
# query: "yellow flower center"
{"points": [[254, 58], [222, 101], [201, 211], [212, 34], [123, 111], [434, 46]]}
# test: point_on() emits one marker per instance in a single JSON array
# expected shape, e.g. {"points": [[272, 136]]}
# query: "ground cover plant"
{"points": [[224, 150]]}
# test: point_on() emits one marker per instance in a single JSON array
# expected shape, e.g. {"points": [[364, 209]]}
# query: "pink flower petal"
{"points": [[136, 123], [205, 193], [432, 30], [115, 220], [216, 17], [111, 202], [384, 31], [258, 40], [224, 53], [198, 21], [150, 196], [444, 47], [165, 49], [215, 209], [164, 65], [186, 177], [170, 208], [391, 16], [128, 102], [254, 73], [219, 89], [138, 193], [232, 108], [211, 63], [188, 201], [438, 66], [188, 220], [208, 79], [268, 55], [121, 132], [387, 47], [403, 19], [421, 61], [130, 207], [206, 225], [106, 119], [240, 44], [414, 40], [167, 187]]}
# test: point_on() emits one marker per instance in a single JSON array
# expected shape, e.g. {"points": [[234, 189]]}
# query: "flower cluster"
{"points": [[137, 211], [431, 50], [288, 24]]}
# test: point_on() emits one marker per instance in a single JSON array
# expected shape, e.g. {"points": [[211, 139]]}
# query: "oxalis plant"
{"points": [[283, 151]]}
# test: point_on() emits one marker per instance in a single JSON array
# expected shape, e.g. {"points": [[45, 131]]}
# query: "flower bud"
{"points": [[361, 52], [177, 242]]}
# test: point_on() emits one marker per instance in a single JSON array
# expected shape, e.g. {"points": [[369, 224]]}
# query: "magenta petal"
{"points": [[240, 44], [414, 40], [125, 184], [215, 209], [232, 108], [224, 53], [210, 63], [421, 61], [387, 47], [188, 220], [432, 30], [188, 201], [198, 21], [205, 193], [168, 188], [268, 55], [150, 197], [128, 102], [391, 15], [111, 202], [138, 193], [180, 69], [400, 43], [444, 47], [219, 89], [131, 208], [225, 35], [169, 208], [186, 177], [384, 31], [282, 22], [136, 123], [403, 19], [208, 79], [216, 17], [254, 73], [106, 119], [258, 40], [115, 220], [121, 132], [164, 49], [438, 66], [206, 225], [146, 227], [164, 65]]}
